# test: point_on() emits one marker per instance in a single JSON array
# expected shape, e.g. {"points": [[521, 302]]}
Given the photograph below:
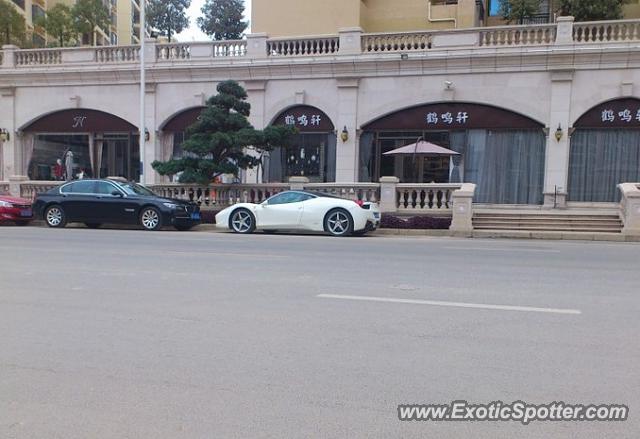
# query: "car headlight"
{"points": [[171, 206], [5, 204]]}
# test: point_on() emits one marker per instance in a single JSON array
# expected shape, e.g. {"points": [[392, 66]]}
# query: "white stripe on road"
{"points": [[452, 304], [505, 249]]}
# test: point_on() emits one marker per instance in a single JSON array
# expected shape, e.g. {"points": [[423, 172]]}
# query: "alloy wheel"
{"points": [[150, 219], [242, 221], [54, 216], [338, 223]]}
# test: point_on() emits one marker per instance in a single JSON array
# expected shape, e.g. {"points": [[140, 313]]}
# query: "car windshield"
{"points": [[135, 189]]}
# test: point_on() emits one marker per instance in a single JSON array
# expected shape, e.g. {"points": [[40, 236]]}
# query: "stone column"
{"points": [[10, 157], [14, 184], [630, 208], [257, 45], [347, 151], [297, 183], [557, 152], [564, 30], [256, 92], [8, 58], [462, 214], [350, 41], [152, 147], [388, 194]]}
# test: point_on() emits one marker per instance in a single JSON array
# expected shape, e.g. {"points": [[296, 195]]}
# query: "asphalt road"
{"points": [[131, 334]]}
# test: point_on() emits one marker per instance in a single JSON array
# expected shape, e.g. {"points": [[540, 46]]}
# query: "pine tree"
{"points": [[593, 10], [222, 19], [12, 25], [518, 10], [217, 143], [168, 16]]}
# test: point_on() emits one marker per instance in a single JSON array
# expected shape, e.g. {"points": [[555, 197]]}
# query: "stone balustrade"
{"points": [[306, 46], [219, 195], [352, 191], [413, 197], [115, 54], [565, 31], [600, 31], [29, 189]]}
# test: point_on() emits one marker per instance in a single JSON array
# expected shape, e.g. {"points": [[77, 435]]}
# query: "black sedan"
{"points": [[96, 202]]}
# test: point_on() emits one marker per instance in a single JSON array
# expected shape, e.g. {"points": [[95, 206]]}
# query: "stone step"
{"points": [[551, 229], [548, 217]]}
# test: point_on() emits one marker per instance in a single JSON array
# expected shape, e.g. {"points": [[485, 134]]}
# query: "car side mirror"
{"points": [[117, 194]]}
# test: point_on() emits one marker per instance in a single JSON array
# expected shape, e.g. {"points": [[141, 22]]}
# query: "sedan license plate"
{"points": [[195, 216], [26, 212]]}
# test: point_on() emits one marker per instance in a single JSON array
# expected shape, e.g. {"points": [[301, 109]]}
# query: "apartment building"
{"points": [[123, 29], [295, 17]]}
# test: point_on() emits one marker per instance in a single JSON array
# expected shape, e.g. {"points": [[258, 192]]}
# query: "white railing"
{"points": [[351, 191], [219, 195], [173, 51], [425, 196], [605, 31], [31, 57], [303, 46], [29, 189], [399, 42], [115, 54], [231, 48], [528, 35]]}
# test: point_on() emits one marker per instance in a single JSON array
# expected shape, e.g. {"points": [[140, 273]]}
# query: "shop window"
{"points": [[49, 149]]}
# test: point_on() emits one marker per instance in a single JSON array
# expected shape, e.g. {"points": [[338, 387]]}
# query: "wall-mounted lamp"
{"points": [[146, 135], [344, 135], [4, 135], [559, 133]]}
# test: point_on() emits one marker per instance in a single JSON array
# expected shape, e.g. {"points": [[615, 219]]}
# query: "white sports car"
{"points": [[302, 210]]}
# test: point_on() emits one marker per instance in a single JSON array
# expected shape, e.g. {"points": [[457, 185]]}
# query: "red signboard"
{"points": [[619, 113], [80, 120], [453, 116]]}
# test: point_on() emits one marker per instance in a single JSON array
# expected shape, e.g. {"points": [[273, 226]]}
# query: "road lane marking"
{"points": [[451, 304], [506, 249]]}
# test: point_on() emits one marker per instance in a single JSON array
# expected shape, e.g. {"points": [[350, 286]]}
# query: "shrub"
{"points": [[416, 222]]}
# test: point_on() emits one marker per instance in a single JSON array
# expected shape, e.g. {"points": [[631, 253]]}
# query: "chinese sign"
{"points": [[619, 113], [453, 116], [305, 118]]}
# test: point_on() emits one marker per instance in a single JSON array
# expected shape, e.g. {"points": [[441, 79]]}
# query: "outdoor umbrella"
{"points": [[424, 148]]}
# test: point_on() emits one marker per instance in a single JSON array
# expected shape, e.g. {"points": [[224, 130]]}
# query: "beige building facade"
{"points": [[536, 114], [285, 18]]}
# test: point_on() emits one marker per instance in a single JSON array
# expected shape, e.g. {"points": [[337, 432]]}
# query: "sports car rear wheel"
{"points": [[338, 222], [242, 221]]}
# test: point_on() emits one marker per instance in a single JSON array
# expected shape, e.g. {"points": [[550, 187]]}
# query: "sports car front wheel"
{"points": [[338, 222], [242, 221]]}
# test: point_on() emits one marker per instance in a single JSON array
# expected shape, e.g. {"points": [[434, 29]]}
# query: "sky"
{"points": [[193, 33]]}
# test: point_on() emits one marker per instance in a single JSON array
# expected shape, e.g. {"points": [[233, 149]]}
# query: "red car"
{"points": [[14, 209]]}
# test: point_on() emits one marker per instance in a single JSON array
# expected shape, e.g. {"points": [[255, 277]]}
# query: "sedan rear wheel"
{"points": [[150, 219], [338, 222], [242, 221], [54, 216]]}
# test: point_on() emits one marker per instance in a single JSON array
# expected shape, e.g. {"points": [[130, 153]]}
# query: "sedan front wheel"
{"points": [[242, 221], [150, 219], [54, 216]]}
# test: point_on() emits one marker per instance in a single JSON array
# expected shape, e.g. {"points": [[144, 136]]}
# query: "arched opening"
{"points": [[501, 151], [312, 151], [76, 143], [605, 151], [174, 131]]}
